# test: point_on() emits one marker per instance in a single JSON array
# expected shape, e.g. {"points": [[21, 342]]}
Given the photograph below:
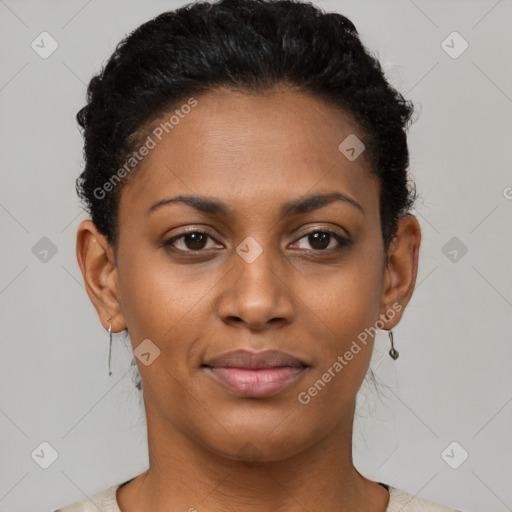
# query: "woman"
{"points": [[246, 177]]}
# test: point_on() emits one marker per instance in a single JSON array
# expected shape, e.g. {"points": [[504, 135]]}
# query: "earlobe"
{"points": [[96, 261], [401, 271]]}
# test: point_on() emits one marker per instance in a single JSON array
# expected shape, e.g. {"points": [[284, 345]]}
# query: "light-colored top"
{"points": [[399, 501]]}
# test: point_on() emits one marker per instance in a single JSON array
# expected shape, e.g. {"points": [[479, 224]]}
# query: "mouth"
{"points": [[250, 374]]}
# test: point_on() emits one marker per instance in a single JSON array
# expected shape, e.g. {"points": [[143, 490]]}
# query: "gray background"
{"points": [[452, 382]]}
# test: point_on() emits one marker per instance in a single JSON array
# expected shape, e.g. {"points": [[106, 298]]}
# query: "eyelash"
{"points": [[342, 241]]}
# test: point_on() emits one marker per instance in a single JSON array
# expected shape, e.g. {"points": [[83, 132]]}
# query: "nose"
{"points": [[257, 295]]}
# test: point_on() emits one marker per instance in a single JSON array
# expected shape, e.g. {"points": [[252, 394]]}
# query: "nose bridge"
{"points": [[256, 262]]}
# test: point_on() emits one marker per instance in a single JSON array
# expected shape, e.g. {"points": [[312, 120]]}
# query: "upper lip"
{"points": [[255, 360]]}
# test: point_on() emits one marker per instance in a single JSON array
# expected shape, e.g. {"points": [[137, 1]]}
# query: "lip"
{"points": [[255, 374], [255, 360]]}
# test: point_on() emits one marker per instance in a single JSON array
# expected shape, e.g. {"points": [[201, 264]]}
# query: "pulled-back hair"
{"points": [[250, 45]]}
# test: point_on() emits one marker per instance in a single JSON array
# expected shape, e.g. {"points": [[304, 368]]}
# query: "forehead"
{"points": [[250, 149]]}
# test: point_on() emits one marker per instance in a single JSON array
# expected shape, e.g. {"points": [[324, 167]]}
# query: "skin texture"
{"points": [[209, 448]]}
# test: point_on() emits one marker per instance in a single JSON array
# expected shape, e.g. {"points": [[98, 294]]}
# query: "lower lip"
{"points": [[256, 382]]}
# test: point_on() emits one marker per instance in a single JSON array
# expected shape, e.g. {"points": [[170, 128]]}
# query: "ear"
{"points": [[401, 271], [96, 261]]}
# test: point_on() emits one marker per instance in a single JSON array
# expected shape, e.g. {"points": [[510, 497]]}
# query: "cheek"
{"points": [[148, 300], [348, 299], [166, 304], [155, 294], [345, 309]]}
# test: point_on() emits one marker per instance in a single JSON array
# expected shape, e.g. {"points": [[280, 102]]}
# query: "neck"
{"points": [[184, 475]]}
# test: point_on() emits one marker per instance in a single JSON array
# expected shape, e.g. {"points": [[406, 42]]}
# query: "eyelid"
{"points": [[324, 229]]}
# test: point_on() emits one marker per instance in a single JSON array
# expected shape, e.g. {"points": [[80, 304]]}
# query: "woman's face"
{"points": [[261, 273]]}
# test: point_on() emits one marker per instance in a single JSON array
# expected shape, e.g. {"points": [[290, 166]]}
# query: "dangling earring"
{"points": [[109, 347], [393, 353]]}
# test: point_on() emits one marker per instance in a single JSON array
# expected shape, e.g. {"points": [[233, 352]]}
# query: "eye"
{"points": [[197, 241], [191, 241], [321, 240]]}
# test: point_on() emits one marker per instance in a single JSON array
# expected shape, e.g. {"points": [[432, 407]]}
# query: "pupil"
{"points": [[195, 241], [319, 238]]}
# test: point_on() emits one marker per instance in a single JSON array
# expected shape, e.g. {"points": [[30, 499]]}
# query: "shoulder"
{"points": [[103, 501], [403, 501]]}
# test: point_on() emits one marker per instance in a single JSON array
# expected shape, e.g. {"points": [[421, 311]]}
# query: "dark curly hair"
{"points": [[249, 45]]}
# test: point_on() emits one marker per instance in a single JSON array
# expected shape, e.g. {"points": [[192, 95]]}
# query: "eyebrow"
{"points": [[296, 207]]}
